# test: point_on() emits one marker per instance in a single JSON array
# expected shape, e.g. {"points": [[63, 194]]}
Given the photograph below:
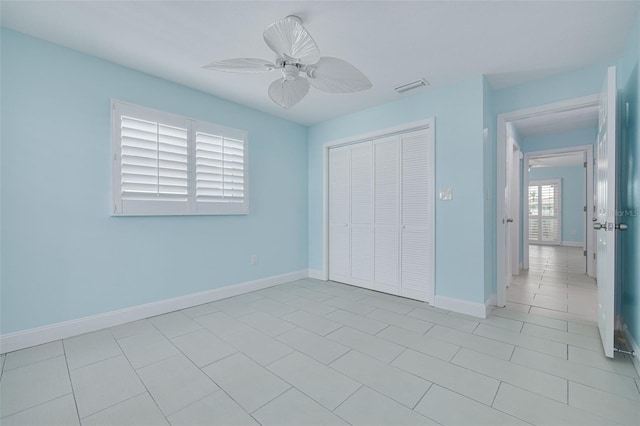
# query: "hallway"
{"points": [[555, 286]]}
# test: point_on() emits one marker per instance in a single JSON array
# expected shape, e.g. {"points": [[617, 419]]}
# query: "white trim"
{"points": [[634, 347], [316, 274], [36, 336], [428, 123], [460, 306], [414, 125], [572, 244], [502, 120]]}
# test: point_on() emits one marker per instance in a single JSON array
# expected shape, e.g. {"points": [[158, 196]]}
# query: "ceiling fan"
{"points": [[297, 57]]}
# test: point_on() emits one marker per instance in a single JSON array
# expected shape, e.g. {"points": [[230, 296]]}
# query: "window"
{"points": [[165, 164], [544, 212]]}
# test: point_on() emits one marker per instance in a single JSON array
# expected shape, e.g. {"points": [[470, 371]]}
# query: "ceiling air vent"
{"points": [[412, 85]]}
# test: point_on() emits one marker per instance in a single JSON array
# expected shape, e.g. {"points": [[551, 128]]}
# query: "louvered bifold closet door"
{"points": [[416, 267], [386, 214], [153, 165], [362, 238], [339, 214]]}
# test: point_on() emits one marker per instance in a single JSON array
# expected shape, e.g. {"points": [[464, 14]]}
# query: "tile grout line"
{"points": [[66, 361], [96, 362], [37, 405], [141, 381], [350, 395], [6, 370], [493, 401], [422, 397]]}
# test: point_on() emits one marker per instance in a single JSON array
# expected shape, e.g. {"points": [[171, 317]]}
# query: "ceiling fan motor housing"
{"points": [[290, 72]]}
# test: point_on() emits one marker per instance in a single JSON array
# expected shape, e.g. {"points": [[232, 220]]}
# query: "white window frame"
{"points": [[167, 207], [539, 183]]}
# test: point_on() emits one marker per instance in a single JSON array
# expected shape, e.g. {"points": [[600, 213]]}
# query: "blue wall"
{"points": [[628, 79], [572, 198], [560, 87], [63, 256], [460, 224], [569, 139]]}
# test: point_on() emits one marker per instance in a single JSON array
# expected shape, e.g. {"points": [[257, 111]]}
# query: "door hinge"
{"points": [[585, 209], [584, 253], [594, 256], [584, 164]]}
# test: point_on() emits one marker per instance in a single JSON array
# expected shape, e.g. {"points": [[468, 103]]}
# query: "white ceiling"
{"points": [[392, 42], [558, 160], [557, 122]]}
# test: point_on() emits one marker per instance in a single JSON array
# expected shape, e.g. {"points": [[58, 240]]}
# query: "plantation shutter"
{"points": [[153, 160], [165, 164], [550, 213], [545, 212], [220, 168]]}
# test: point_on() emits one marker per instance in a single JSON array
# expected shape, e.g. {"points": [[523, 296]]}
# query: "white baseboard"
{"points": [[36, 336], [634, 347], [316, 274], [572, 244], [461, 306]]}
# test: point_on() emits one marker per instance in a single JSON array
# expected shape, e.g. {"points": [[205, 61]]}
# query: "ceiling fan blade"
{"points": [[337, 76], [287, 37], [243, 65], [287, 93]]}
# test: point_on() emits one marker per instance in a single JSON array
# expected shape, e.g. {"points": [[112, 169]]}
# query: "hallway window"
{"points": [[544, 212]]}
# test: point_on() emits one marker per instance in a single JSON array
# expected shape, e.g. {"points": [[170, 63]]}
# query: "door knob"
{"points": [[622, 227], [597, 226]]}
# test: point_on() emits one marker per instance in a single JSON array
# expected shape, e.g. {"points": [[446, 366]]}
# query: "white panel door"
{"points": [[416, 267], [386, 214], [606, 202], [362, 237], [339, 214]]}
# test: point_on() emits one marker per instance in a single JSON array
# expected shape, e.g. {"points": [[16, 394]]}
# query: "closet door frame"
{"points": [[429, 125]]}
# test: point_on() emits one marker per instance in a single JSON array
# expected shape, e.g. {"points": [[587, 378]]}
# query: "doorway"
{"points": [[553, 118], [557, 194]]}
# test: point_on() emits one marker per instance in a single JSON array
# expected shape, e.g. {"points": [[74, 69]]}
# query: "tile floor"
{"points": [[311, 352], [555, 286]]}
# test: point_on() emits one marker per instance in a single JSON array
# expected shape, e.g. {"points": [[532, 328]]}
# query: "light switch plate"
{"points": [[446, 194]]}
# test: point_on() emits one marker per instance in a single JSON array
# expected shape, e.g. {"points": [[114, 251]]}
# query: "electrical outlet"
{"points": [[446, 194], [254, 259]]}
